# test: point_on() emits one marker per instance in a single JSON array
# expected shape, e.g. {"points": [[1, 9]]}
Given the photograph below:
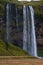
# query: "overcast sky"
{"points": [[28, 0]]}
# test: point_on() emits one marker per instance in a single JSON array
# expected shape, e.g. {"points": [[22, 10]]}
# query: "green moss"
{"points": [[12, 50]]}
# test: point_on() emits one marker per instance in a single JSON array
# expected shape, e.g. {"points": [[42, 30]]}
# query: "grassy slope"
{"points": [[12, 50]]}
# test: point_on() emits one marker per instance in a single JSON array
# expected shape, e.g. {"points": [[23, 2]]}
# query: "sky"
{"points": [[29, 0]]}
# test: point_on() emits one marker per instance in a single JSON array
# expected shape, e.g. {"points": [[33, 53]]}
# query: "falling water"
{"points": [[17, 18], [28, 28], [24, 29], [29, 39], [8, 28], [7, 23], [17, 24], [33, 38]]}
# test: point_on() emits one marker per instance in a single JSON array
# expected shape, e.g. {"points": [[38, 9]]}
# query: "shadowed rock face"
{"points": [[15, 26], [39, 32]]}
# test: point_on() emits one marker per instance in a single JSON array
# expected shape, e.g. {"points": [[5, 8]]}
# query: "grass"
{"points": [[12, 50]]}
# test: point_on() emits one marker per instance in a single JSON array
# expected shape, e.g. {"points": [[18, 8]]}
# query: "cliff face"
{"points": [[39, 30], [14, 33], [39, 35]]}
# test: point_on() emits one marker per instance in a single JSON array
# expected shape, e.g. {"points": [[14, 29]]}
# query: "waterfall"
{"points": [[8, 20], [29, 31], [33, 38], [17, 24], [17, 19], [29, 46], [29, 39], [24, 29]]}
